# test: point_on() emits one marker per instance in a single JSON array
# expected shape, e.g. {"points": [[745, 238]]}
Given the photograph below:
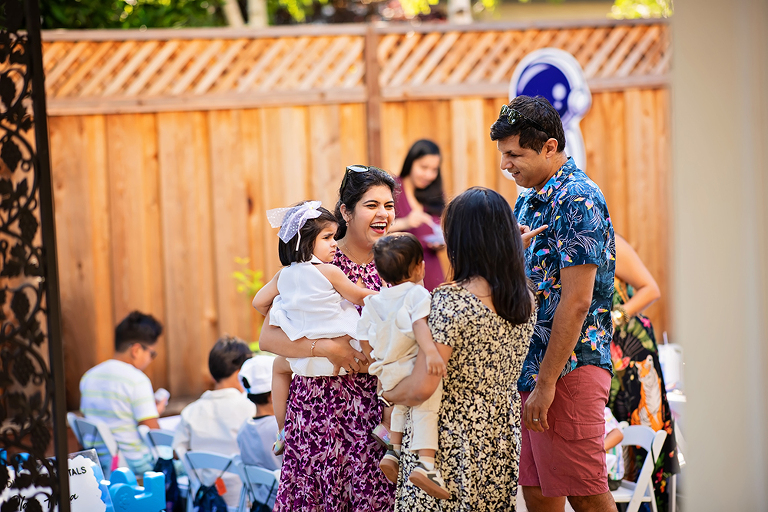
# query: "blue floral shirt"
{"points": [[580, 232]]}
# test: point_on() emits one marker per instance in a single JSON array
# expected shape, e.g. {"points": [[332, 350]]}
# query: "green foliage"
{"points": [[248, 281], [299, 10], [79, 14], [631, 9], [415, 7]]}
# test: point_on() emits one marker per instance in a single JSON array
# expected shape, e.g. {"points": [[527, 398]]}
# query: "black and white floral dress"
{"points": [[479, 425]]}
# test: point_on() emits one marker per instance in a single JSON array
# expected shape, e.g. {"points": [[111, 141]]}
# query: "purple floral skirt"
{"points": [[331, 462]]}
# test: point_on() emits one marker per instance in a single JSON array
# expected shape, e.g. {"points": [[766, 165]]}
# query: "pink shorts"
{"points": [[569, 458]]}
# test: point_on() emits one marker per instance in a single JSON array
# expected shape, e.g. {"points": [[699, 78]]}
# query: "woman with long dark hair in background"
{"points": [[420, 205]]}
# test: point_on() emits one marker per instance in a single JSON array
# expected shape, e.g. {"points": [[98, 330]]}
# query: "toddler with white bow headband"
{"points": [[307, 297]]}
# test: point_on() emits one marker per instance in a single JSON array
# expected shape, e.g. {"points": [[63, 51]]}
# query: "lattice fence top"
{"points": [[203, 69], [412, 64]]}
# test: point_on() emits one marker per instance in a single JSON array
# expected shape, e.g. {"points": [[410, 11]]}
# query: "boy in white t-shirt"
{"points": [[392, 330], [256, 434], [211, 422], [119, 394]]}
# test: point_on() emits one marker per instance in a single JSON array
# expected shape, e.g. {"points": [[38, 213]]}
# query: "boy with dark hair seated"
{"points": [[211, 422], [119, 394], [257, 434]]}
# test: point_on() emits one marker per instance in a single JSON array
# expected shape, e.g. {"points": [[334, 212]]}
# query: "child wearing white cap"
{"points": [[256, 436]]}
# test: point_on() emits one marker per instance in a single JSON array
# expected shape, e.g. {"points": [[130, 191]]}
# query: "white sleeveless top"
{"points": [[309, 306]]}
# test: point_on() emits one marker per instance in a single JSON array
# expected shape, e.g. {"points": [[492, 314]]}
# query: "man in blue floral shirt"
{"points": [[567, 374]]}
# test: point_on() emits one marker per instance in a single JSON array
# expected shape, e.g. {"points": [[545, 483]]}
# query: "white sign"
{"points": [[84, 490], [85, 494]]}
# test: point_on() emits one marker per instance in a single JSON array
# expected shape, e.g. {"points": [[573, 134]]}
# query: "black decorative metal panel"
{"points": [[31, 369]]}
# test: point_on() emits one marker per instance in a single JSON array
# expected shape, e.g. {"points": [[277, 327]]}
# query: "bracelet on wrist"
{"points": [[383, 400], [312, 348], [619, 315]]}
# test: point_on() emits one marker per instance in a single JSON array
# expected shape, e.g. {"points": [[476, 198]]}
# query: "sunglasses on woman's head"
{"points": [[354, 168], [514, 115]]}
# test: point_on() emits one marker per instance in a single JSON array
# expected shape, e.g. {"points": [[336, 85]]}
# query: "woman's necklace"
{"points": [[348, 253]]}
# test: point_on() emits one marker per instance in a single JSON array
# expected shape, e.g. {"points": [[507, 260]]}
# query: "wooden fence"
{"points": [[168, 146]]}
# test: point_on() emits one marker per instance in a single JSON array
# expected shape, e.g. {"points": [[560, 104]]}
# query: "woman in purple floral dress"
{"points": [[331, 461]]}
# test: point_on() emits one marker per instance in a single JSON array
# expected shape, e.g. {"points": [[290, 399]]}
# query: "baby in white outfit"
{"points": [[308, 298], [393, 329]]}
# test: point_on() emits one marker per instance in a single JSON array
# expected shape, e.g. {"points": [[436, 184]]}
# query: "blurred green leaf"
{"points": [[248, 281], [81, 14], [632, 9]]}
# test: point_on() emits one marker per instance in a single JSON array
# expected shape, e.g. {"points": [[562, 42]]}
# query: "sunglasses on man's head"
{"points": [[514, 115]]}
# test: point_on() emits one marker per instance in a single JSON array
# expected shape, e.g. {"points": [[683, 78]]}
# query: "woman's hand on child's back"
{"points": [[341, 354]]}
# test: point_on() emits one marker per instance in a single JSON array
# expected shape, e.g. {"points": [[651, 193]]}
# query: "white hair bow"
{"points": [[290, 220]]}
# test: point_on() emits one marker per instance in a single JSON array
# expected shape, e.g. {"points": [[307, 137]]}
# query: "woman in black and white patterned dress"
{"points": [[482, 321]]}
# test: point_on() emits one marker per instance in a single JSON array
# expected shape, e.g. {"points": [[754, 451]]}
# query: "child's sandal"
{"points": [[381, 435], [279, 447]]}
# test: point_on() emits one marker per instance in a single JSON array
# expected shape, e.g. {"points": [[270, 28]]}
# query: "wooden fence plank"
{"points": [[251, 129], [662, 223], [393, 130], [136, 241], [325, 148], [78, 159], [469, 137], [229, 191], [186, 211], [286, 178], [354, 138]]}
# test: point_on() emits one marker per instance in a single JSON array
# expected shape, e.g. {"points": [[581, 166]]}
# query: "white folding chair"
{"points": [[641, 491], [194, 461], [94, 434], [160, 443], [71, 417], [255, 479]]}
